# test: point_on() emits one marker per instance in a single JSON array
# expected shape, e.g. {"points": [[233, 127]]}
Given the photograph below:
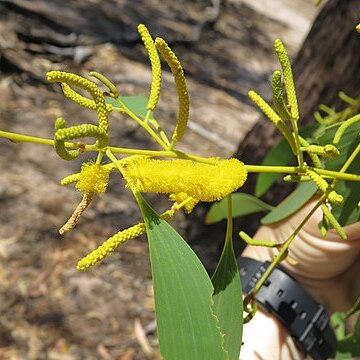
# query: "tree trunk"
{"points": [[329, 61]]}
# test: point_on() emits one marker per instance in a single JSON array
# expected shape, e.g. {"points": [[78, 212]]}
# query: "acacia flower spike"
{"points": [[332, 220], [288, 78], [63, 134], [313, 156], [333, 196], [343, 127], [89, 86], [274, 117], [79, 99], [155, 67], [203, 182], [277, 93], [181, 87], [84, 203], [59, 145], [111, 244], [328, 150]]}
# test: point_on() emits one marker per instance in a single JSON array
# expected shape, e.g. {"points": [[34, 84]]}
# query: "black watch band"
{"points": [[306, 320]]}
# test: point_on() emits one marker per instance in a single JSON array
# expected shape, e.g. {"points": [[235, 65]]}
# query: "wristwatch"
{"points": [[281, 295]]}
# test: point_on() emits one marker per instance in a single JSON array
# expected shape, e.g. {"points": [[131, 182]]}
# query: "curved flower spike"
{"points": [[89, 86], [181, 87], [60, 144], [274, 117], [343, 127], [79, 131], [288, 78], [203, 182], [79, 99], [155, 66], [332, 220], [333, 196], [84, 203], [110, 245]]}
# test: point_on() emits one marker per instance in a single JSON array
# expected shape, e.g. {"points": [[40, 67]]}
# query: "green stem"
{"points": [[181, 155], [284, 248], [143, 124], [229, 225], [299, 153]]}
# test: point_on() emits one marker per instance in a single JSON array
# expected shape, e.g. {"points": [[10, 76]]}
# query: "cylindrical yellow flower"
{"points": [[181, 87], [204, 182], [91, 87], [288, 78], [111, 245], [93, 178], [155, 66]]}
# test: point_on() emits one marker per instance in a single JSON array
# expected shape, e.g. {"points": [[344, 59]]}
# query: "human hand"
{"points": [[326, 267]]}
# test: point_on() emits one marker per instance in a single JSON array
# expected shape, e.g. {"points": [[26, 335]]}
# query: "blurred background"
{"points": [[49, 310]]}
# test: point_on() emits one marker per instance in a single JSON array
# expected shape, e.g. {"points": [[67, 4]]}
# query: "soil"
{"points": [[48, 309]]}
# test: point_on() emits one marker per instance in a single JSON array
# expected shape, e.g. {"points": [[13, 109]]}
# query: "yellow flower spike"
{"points": [[110, 245], [357, 28], [181, 87], [274, 117], [313, 156], [333, 196], [332, 220], [288, 78], [343, 127], [317, 179], [89, 86], [328, 150], [70, 179], [84, 203], [180, 197], [155, 67], [204, 182], [277, 93], [93, 178], [79, 131], [79, 99], [115, 241], [59, 145]]}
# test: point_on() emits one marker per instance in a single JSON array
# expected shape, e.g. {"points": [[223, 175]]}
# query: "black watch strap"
{"points": [[306, 320]]}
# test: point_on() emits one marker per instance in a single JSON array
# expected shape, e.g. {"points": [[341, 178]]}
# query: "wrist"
{"points": [[305, 319]]}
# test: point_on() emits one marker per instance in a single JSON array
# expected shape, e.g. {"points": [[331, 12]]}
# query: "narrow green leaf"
{"points": [[228, 304], [137, 104], [279, 155], [292, 203], [187, 326], [349, 347], [242, 204]]}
